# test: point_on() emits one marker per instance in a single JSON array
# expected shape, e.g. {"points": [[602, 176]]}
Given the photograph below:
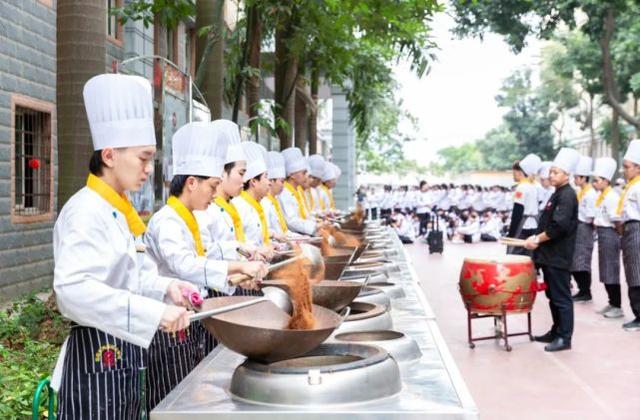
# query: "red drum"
{"points": [[491, 285]]}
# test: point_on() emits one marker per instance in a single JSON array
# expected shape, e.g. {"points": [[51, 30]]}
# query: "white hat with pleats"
{"points": [[198, 150], [256, 164], [120, 111]]}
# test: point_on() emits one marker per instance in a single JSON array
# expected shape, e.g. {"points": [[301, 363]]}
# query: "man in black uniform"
{"points": [[554, 245]]}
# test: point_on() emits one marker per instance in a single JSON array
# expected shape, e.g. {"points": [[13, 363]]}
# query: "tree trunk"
{"points": [[285, 74], [80, 33], [313, 114], [592, 132], [210, 54], [615, 136], [301, 131], [253, 84], [240, 78], [608, 74]]}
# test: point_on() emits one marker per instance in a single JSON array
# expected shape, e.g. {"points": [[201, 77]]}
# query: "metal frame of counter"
{"points": [[432, 387]]}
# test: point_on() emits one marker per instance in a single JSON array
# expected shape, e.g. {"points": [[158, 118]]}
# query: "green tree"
{"points": [[529, 116], [498, 148]]}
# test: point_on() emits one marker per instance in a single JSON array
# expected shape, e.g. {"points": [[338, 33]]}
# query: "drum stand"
{"points": [[499, 332]]}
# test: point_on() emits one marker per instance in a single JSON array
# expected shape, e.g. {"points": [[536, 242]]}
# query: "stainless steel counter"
{"points": [[432, 387]]}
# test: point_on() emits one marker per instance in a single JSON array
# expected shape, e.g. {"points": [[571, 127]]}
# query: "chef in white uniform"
{"points": [[546, 189], [581, 267], [292, 200], [316, 172], [173, 241], [608, 239], [248, 203], [525, 201], [103, 280], [271, 203], [629, 211]]}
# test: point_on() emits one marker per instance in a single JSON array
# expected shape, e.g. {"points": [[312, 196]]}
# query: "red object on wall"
{"points": [[34, 163]]}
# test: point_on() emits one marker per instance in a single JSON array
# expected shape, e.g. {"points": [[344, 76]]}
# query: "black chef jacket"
{"points": [[559, 220]]}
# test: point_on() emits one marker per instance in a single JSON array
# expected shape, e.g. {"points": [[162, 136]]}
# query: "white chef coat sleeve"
{"points": [[590, 205], [80, 282], [216, 249], [152, 284], [181, 260], [294, 221]]}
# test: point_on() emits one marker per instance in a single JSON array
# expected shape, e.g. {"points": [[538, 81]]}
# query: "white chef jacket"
{"points": [[545, 195], [99, 279], [386, 203], [587, 206], [527, 194], [272, 216], [605, 213], [492, 227], [250, 221], [171, 245], [423, 204], [217, 231], [322, 194], [292, 215], [631, 207]]}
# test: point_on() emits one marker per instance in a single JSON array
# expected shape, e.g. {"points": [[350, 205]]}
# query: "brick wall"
{"points": [[27, 68]]}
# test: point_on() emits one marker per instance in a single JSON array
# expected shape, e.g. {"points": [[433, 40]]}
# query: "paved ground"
{"points": [[598, 379]]}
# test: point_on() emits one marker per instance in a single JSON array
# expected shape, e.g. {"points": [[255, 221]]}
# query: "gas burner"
{"points": [[366, 317], [394, 291], [400, 347], [371, 294], [332, 374]]}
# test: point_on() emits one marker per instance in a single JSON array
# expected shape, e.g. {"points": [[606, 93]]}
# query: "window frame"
{"points": [[49, 108], [117, 40]]}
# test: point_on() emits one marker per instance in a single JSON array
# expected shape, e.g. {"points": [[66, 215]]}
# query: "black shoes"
{"points": [[581, 297], [558, 344], [546, 338]]}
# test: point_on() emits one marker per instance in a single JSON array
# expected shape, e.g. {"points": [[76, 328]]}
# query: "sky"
{"points": [[454, 103]]}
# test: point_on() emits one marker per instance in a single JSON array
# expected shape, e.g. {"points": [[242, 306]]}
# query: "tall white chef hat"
{"points": [[605, 168], [120, 111], [275, 165], [544, 169], [530, 164], [633, 152], [230, 132], [316, 165], [293, 160], [329, 172], [585, 166], [567, 159], [198, 149], [256, 164]]}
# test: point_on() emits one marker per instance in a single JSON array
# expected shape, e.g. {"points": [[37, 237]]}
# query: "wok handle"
{"points": [[343, 315], [217, 311], [236, 279], [366, 280]]}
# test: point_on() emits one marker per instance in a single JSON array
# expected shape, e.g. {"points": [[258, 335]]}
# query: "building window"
{"points": [[114, 28], [190, 51], [172, 46], [32, 173]]}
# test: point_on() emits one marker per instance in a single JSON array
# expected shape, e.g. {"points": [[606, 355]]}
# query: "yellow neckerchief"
{"points": [[187, 217], [583, 192], [263, 220], [305, 198], [321, 201], [301, 209], [120, 202], [332, 205], [623, 196], [276, 205], [602, 195], [310, 199], [235, 217]]}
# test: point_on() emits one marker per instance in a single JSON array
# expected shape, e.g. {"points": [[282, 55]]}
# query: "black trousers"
{"points": [[614, 294], [424, 222], [634, 300], [385, 214], [559, 293], [583, 280], [374, 213]]}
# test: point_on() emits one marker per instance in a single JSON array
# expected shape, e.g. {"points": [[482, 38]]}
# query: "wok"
{"points": [[259, 331], [331, 294]]}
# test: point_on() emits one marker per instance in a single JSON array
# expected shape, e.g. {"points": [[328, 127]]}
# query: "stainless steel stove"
{"points": [[431, 386]]}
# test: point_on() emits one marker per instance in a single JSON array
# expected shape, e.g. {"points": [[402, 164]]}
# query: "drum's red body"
{"points": [[488, 286]]}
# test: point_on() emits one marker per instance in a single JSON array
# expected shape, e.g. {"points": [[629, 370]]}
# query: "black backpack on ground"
{"points": [[435, 238]]}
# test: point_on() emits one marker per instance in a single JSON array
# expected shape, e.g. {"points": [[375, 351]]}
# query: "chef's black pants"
{"points": [[559, 293], [614, 294], [583, 280], [424, 222], [634, 300]]}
